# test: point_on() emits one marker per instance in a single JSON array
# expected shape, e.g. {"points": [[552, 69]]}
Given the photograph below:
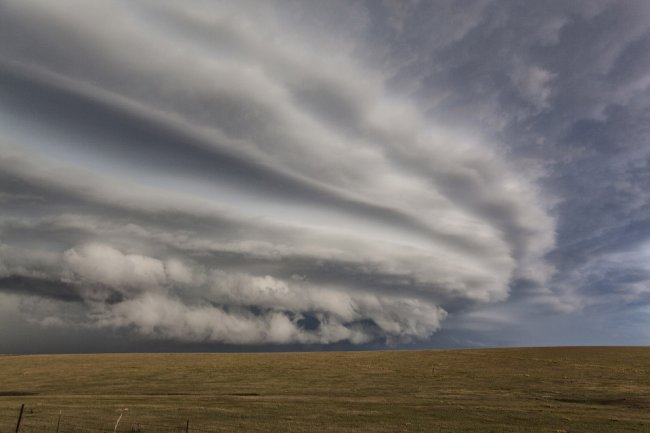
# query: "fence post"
{"points": [[20, 417], [58, 422]]}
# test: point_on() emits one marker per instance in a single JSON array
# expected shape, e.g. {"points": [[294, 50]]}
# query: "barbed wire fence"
{"points": [[28, 419]]}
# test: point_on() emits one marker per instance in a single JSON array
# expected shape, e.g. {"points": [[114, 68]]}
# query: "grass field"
{"points": [[497, 390]]}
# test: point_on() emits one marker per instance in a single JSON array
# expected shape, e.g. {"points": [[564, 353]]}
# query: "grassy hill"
{"points": [[499, 390]]}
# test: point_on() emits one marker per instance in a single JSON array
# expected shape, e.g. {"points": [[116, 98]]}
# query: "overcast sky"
{"points": [[224, 175]]}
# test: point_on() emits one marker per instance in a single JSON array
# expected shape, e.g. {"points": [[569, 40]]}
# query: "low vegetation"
{"points": [[497, 390]]}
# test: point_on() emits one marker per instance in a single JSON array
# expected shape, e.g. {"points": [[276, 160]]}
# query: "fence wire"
{"points": [[35, 421]]}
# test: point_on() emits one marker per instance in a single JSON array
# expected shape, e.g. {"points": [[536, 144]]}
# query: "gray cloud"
{"points": [[231, 174]]}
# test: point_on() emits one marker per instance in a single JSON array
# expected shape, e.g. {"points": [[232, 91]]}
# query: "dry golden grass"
{"points": [[497, 390]]}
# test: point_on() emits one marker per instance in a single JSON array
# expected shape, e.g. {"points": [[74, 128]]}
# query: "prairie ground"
{"points": [[493, 390]]}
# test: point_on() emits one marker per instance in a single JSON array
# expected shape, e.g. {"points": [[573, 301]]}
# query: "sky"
{"points": [[309, 175]]}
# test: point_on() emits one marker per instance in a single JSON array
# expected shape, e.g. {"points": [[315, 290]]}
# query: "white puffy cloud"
{"points": [[98, 263], [158, 316]]}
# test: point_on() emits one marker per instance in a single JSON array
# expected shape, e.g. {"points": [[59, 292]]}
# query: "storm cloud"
{"points": [[271, 173]]}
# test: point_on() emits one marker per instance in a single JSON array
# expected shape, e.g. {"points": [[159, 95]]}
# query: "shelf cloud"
{"points": [[258, 173]]}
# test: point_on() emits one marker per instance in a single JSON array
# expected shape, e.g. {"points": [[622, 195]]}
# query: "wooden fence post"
{"points": [[58, 422], [20, 417], [118, 419]]}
